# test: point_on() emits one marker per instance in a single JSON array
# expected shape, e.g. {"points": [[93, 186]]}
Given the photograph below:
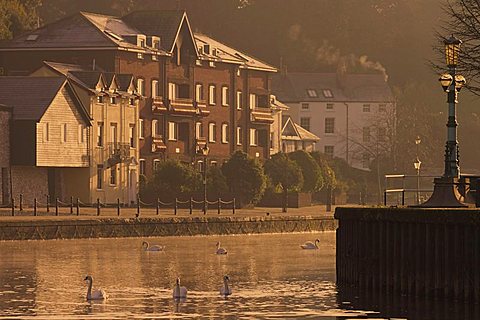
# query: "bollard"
{"points": [[21, 202], [385, 198], [233, 208], [191, 205], [403, 197], [35, 206], [98, 206], [13, 207], [78, 206], [138, 205], [48, 203], [118, 207], [56, 206], [175, 206], [71, 205], [219, 206], [158, 206]]}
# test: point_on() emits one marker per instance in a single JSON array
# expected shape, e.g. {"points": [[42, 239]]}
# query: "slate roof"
{"points": [[162, 23], [293, 131], [293, 87], [31, 103], [228, 54]]}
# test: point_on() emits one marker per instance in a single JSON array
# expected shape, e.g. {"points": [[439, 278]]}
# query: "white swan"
{"points": [[179, 292], [310, 245], [97, 294], [225, 290], [147, 247], [220, 250]]}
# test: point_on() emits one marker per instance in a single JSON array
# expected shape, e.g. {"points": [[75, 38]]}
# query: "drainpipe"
{"points": [[347, 136]]}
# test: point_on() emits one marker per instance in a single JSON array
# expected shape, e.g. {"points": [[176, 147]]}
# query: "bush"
{"points": [[312, 175], [245, 178]]}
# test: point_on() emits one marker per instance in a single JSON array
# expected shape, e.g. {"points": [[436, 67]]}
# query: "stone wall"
{"points": [[31, 182], [4, 154], [51, 228]]}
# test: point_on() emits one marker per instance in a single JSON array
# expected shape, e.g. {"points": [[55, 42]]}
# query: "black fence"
{"points": [[75, 206]]}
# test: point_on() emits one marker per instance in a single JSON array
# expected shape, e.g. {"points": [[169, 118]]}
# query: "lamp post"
{"points": [[204, 152], [445, 193], [417, 164]]}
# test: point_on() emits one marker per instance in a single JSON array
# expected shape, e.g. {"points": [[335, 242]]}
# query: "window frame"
{"points": [[212, 94], [330, 125], [212, 132], [224, 136], [172, 128], [225, 96]]}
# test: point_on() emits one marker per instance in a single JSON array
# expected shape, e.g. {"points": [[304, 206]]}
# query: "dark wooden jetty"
{"points": [[410, 251]]}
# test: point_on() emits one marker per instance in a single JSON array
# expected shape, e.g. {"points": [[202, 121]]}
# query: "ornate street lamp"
{"points": [[417, 163], [445, 193], [204, 152]]}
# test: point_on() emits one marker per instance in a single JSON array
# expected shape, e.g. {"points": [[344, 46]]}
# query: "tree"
{"points": [[16, 16], [173, 178], [462, 21], [312, 175], [216, 182], [328, 174], [285, 173], [245, 178]]}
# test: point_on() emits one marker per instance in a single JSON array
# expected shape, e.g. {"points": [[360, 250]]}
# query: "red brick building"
{"points": [[195, 90]]}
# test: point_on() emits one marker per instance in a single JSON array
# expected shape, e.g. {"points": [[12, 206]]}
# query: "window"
{"points": [[81, 133], [172, 91], [198, 130], [366, 134], [141, 129], [154, 57], [253, 137], [141, 163], [238, 72], [211, 64], [113, 133], [239, 100], [100, 134], [99, 99], [113, 100], [156, 164], [366, 108], [382, 107], [382, 134], [329, 125], [140, 55], [212, 132], [225, 96], [198, 62], [198, 92], [172, 131], [46, 132], [131, 135], [141, 86], [305, 123], [239, 136], [312, 93], [100, 176], [212, 94], [327, 93], [155, 129], [64, 133], [154, 89], [131, 101], [113, 175], [328, 150], [183, 91], [224, 133], [305, 106], [253, 101], [329, 106], [365, 160]]}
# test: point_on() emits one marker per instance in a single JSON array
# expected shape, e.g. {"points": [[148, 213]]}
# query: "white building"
{"points": [[352, 114]]}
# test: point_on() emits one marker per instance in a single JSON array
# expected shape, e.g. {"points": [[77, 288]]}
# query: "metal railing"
{"points": [[402, 191], [19, 206]]}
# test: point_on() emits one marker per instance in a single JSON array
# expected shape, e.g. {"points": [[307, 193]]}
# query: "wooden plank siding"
{"points": [[55, 151]]}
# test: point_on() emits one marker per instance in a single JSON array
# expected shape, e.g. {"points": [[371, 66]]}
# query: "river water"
{"points": [[271, 277]]}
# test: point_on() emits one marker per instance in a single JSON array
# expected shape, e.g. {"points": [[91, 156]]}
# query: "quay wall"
{"points": [[412, 251], [45, 229]]}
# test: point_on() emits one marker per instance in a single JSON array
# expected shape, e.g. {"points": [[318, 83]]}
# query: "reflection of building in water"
{"points": [[19, 282]]}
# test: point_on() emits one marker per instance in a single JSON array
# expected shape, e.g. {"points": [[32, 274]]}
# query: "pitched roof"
{"points": [[226, 53], [294, 87], [81, 30], [162, 23], [31, 103], [293, 131]]}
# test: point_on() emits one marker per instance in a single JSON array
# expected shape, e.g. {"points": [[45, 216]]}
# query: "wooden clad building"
{"points": [[48, 137]]}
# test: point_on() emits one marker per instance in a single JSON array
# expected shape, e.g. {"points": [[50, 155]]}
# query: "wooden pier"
{"points": [[411, 251]]}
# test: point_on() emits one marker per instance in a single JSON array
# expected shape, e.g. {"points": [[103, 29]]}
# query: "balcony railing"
{"points": [[118, 153]]}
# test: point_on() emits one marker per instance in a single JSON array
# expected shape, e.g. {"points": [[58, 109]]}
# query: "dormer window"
{"points": [[99, 99], [113, 100], [32, 37], [312, 93], [206, 48], [327, 93], [141, 40], [142, 43]]}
